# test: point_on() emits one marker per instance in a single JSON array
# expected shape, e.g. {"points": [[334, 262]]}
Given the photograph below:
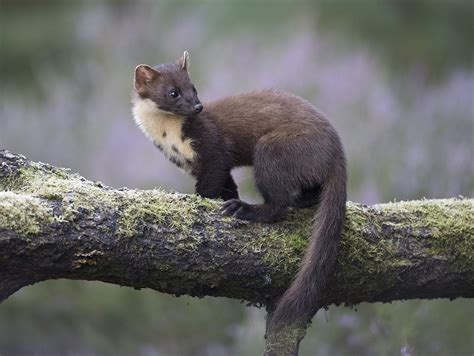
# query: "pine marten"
{"points": [[296, 154]]}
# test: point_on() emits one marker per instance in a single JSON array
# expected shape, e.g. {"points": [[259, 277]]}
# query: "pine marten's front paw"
{"points": [[238, 209]]}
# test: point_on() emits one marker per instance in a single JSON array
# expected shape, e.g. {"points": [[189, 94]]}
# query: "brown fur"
{"points": [[297, 157]]}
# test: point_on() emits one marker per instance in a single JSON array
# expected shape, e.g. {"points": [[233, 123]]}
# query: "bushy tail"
{"points": [[301, 300]]}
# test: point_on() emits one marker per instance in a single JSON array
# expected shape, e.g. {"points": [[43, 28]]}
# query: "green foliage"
{"points": [[94, 317], [433, 35], [40, 36], [438, 327]]}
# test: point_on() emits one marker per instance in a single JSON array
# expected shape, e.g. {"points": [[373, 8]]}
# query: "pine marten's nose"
{"points": [[198, 108]]}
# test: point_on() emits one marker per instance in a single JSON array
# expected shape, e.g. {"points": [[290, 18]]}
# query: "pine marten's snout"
{"points": [[198, 108]]}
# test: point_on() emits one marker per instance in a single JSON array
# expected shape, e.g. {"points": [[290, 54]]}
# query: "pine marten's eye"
{"points": [[174, 93], [194, 89]]}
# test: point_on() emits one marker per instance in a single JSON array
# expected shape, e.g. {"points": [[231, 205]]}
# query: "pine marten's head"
{"points": [[169, 87]]}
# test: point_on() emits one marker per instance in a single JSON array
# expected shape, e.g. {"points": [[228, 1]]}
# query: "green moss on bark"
{"points": [[447, 223], [378, 242], [23, 213], [170, 210]]}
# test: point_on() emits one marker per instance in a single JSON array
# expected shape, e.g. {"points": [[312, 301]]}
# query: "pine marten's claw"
{"points": [[230, 207]]}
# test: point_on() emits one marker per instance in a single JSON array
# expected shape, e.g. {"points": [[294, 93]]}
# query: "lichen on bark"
{"points": [[23, 213]]}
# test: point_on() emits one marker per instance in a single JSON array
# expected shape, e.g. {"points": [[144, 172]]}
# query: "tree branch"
{"points": [[56, 224]]}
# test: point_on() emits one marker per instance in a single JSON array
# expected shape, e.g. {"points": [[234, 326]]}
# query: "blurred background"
{"points": [[396, 78]]}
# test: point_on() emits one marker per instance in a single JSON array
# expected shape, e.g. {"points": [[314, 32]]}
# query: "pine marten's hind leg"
{"points": [[274, 181], [270, 210], [308, 197], [266, 212]]}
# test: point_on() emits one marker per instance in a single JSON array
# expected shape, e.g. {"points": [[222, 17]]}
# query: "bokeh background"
{"points": [[396, 77]]}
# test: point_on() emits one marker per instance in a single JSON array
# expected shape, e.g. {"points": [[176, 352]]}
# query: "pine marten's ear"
{"points": [[144, 75], [184, 61]]}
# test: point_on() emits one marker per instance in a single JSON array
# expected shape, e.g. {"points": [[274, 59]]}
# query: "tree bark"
{"points": [[56, 224]]}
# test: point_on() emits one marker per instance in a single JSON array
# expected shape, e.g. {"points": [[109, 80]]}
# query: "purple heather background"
{"points": [[65, 99]]}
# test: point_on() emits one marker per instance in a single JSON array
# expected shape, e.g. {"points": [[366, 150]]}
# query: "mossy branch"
{"points": [[56, 224]]}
